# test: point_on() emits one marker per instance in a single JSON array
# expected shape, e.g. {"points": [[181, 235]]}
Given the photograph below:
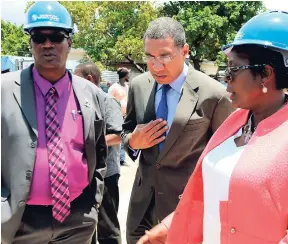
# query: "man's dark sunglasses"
{"points": [[41, 38]]}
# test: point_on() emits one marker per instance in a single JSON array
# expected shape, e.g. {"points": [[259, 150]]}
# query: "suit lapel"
{"points": [[149, 113], [150, 92], [25, 97], [84, 98], [185, 108]]}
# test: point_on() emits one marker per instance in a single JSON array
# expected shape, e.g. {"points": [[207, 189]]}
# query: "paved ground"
{"points": [[125, 184]]}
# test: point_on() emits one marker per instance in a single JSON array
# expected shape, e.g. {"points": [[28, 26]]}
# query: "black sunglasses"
{"points": [[230, 72], [41, 38]]}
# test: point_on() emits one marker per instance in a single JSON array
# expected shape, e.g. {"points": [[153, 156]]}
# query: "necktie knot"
{"points": [[166, 88], [51, 93]]}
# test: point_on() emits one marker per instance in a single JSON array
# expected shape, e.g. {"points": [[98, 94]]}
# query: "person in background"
{"points": [[108, 224], [238, 191], [172, 112], [119, 90], [104, 86], [54, 150]]}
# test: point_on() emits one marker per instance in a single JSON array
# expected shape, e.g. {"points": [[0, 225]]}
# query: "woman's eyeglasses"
{"points": [[230, 72], [41, 38]]}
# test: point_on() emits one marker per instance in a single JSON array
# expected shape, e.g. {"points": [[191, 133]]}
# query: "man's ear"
{"points": [[90, 78], [185, 50], [30, 46], [69, 44]]}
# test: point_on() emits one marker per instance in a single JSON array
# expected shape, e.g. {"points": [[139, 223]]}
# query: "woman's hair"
{"points": [[257, 54]]}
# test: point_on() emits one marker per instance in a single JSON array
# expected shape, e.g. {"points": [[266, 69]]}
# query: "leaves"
{"points": [[13, 40], [109, 31], [210, 25]]}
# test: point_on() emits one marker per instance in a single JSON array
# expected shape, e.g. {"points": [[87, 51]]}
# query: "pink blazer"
{"points": [[257, 209]]}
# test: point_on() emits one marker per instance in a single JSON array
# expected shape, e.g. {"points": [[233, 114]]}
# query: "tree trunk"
{"points": [[135, 64]]}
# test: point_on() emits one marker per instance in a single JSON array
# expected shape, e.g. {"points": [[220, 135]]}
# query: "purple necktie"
{"points": [[56, 159]]}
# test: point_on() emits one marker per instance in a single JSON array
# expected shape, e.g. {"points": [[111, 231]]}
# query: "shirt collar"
{"points": [[178, 82], [44, 85]]}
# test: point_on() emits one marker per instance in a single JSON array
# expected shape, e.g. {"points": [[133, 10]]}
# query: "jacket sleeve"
{"points": [[101, 153], [129, 125], [113, 116]]}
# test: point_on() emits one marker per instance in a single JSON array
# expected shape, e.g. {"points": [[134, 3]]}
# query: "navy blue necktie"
{"points": [[162, 110]]}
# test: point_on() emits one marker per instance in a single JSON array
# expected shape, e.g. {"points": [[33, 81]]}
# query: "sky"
{"points": [[13, 10]]}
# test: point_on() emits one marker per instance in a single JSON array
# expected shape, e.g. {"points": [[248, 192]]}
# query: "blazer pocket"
{"points": [[196, 121], [194, 124], [98, 128]]}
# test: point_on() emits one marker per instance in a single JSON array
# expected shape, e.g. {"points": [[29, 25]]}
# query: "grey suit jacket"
{"points": [[19, 142], [202, 107]]}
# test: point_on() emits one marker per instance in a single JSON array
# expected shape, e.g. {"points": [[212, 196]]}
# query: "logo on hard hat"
{"points": [[49, 17], [34, 17]]}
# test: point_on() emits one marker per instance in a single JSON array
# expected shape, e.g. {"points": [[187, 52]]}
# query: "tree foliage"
{"points": [[210, 24], [111, 31], [13, 40]]}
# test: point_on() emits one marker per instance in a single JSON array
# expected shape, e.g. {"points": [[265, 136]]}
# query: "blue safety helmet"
{"points": [[269, 29], [48, 14]]}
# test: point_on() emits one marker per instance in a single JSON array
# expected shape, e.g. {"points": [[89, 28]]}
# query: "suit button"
{"points": [[21, 203], [232, 230], [28, 175], [158, 166], [33, 145], [180, 196]]}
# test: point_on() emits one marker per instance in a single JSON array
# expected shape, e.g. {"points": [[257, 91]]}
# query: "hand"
{"points": [[147, 135], [156, 235]]}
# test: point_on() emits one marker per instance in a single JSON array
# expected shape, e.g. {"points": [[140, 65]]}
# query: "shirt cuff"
{"points": [[168, 220], [135, 152]]}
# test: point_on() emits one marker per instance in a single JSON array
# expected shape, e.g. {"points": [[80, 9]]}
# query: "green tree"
{"points": [[211, 24], [13, 40], [111, 31]]}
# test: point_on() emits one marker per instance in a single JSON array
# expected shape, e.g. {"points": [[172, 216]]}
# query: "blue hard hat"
{"points": [[48, 14], [269, 29]]}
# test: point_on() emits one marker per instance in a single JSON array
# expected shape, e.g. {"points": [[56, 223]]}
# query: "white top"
{"points": [[217, 169], [121, 94]]}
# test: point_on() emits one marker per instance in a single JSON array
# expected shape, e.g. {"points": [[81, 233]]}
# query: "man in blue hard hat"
{"points": [[54, 150]]}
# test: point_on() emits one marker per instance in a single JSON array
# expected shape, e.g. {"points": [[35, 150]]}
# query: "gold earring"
{"points": [[264, 88]]}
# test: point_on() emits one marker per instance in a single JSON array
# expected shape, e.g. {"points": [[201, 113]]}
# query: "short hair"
{"points": [[257, 54], [90, 69], [122, 72], [164, 27]]}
